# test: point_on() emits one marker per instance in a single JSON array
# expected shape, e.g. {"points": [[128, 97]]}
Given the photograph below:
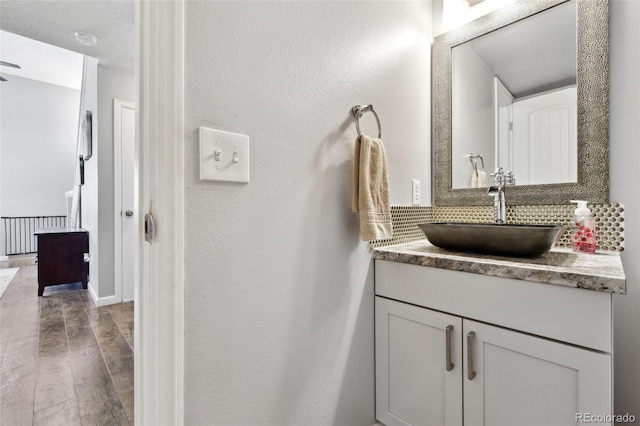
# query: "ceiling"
{"points": [[534, 54], [40, 61], [55, 22]]}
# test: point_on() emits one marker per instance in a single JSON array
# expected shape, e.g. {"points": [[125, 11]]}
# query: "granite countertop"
{"points": [[601, 271], [40, 231]]}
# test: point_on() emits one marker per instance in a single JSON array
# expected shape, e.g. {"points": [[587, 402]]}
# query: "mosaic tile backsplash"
{"points": [[405, 220], [609, 221]]}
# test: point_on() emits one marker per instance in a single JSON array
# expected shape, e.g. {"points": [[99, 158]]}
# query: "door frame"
{"points": [[118, 106], [159, 313]]}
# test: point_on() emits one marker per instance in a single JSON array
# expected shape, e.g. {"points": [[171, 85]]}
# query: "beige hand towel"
{"points": [[371, 189], [479, 179]]}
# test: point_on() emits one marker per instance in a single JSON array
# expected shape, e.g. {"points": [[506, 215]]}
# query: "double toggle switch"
{"points": [[218, 153], [224, 156]]}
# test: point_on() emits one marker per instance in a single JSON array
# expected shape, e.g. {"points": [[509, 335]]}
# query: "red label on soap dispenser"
{"points": [[584, 239]]}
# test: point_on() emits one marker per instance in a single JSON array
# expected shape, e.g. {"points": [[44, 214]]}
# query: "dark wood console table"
{"points": [[61, 257]]}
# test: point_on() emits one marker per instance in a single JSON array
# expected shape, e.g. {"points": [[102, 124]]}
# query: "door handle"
{"points": [[128, 213], [448, 363], [149, 227], [470, 338]]}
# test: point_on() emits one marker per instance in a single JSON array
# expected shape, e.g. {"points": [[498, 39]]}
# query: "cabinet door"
{"points": [[415, 385], [526, 380]]}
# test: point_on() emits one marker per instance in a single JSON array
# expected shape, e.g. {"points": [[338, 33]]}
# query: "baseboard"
{"points": [[102, 301], [93, 294], [21, 259], [109, 300]]}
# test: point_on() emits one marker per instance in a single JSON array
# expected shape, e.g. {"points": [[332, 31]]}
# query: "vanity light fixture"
{"points": [[86, 39]]}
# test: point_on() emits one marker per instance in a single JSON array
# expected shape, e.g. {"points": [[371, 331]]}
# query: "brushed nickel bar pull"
{"points": [[449, 363], [470, 338]]}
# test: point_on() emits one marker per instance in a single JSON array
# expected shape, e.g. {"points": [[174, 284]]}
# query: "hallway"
{"points": [[62, 359]]}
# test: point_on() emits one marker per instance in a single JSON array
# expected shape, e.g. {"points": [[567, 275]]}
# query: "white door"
{"points": [[418, 365], [545, 145], [159, 297], [526, 380], [126, 223]]}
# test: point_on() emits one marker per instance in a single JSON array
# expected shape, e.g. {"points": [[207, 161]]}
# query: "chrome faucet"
{"points": [[500, 179]]}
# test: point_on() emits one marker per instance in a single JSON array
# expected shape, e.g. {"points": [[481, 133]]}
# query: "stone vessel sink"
{"points": [[491, 238]]}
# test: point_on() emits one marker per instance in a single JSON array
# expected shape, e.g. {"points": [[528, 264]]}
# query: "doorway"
{"points": [[125, 196]]}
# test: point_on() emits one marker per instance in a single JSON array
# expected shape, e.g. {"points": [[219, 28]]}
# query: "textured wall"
{"points": [[459, 12], [624, 98], [118, 84], [279, 287]]}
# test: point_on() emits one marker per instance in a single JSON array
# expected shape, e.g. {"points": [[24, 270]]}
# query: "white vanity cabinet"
{"points": [[525, 380], [418, 365], [457, 348]]}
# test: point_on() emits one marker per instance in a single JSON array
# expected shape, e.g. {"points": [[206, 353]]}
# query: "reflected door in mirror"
{"points": [[544, 146], [498, 81]]}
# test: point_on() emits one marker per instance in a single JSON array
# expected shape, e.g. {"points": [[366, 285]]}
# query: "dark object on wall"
{"points": [[81, 170], [61, 253], [88, 148]]}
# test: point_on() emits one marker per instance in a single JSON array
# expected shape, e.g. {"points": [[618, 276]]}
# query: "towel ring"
{"points": [[357, 112], [473, 159]]}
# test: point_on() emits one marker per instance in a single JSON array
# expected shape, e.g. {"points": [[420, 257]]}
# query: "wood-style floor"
{"points": [[63, 361]]}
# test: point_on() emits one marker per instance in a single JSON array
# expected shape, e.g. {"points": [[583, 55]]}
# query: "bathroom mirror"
{"points": [[469, 103]]}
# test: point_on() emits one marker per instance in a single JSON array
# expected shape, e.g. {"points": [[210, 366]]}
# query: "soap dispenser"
{"points": [[584, 223]]}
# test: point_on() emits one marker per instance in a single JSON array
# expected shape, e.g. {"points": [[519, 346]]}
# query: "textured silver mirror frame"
{"points": [[593, 108]]}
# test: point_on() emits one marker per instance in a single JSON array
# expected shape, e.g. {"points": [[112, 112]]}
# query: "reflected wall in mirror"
{"points": [[526, 88], [514, 100]]}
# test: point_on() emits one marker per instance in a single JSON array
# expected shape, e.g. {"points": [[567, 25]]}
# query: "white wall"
{"points": [[624, 98], [90, 188], [38, 126], [458, 12], [118, 84], [472, 115], [279, 286]]}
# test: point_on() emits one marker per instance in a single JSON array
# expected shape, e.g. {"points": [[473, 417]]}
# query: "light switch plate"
{"points": [[224, 156]]}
